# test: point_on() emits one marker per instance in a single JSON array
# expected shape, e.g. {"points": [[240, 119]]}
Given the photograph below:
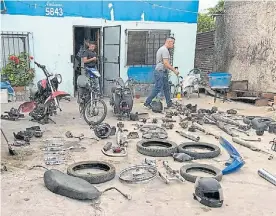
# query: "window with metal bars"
{"points": [[142, 46], [13, 43]]}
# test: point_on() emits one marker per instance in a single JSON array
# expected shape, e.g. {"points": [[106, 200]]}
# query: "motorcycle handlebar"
{"points": [[43, 67]]}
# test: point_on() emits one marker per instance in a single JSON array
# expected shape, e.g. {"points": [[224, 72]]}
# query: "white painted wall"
{"points": [[53, 41]]}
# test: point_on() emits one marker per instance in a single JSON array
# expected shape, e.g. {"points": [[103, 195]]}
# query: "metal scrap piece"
{"points": [[133, 135], [153, 131]]}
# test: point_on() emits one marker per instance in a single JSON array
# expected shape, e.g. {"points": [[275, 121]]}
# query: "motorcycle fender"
{"points": [[56, 94]]}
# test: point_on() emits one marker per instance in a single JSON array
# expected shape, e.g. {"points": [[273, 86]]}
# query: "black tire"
{"points": [[248, 119], [261, 123], [184, 171], [145, 147], [214, 150], [108, 175], [86, 107]]}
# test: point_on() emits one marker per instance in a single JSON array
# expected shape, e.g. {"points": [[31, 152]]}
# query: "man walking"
{"points": [[161, 73]]}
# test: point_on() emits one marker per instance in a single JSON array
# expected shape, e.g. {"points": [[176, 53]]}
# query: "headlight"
{"points": [[59, 78]]}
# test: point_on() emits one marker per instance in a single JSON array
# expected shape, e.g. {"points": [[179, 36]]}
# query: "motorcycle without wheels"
{"points": [[89, 97], [45, 101], [122, 96]]}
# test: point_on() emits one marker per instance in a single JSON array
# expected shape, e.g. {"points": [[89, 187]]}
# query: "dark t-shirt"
{"points": [[90, 54]]}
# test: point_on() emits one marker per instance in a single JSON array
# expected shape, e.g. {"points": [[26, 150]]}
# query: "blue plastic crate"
{"points": [[219, 80]]}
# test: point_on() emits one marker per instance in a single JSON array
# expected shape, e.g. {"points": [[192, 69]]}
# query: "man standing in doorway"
{"points": [[90, 56], [161, 73]]}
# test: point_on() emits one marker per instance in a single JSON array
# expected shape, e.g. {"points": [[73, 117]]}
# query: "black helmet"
{"points": [[208, 192]]}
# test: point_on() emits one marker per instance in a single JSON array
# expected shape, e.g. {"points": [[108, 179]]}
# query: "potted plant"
{"points": [[18, 71]]}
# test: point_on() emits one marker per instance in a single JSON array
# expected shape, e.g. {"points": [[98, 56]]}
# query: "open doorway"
{"points": [[82, 33]]}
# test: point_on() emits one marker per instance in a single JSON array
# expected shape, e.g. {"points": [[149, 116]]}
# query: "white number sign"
{"points": [[53, 11]]}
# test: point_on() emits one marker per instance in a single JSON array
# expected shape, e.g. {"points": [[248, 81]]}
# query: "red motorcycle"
{"points": [[45, 101]]}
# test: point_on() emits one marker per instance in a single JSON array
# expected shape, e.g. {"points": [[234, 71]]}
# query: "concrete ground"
{"points": [[23, 192]]}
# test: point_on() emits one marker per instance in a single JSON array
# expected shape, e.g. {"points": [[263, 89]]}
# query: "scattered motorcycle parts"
{"points": [[272, 128], [22, 135], [208, 192], [113, 131], [73, 187], [133, 135], [235, 161], [11, 150], [247, 120], [102, 130], [151, 162], [208, 120], [188, 135], [231, 112], [144, 120], [192, 129], [251, 147], [267, 176], [204, 130], [93, 178], [156, 147], [120, 125], [157, 106], [167, 120], [167, 125], [242, 131], [261, 123], [134, 117], [138, 174], [259, 132], [252, 140], [182, 157], [226, 129], [154, 120], [12, 115], [107, 146], [184, 124], [184, 171], [153, 132], [174, 174], [212, 151], [273, 144]]}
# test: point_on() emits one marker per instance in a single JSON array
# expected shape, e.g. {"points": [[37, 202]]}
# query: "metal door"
{"points": [[111, 56]]}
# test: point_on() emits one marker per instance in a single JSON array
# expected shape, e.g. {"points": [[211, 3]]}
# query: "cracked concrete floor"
{"points": [[23, 192]]}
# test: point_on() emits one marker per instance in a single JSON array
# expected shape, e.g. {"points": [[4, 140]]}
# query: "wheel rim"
{"points": [[94, 113]]}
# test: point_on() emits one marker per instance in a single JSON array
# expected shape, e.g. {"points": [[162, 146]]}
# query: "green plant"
{"points": [[18, 70]]}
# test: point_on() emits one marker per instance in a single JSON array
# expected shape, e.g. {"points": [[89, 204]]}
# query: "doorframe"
{"points": [[74, 45], [103, 44]]}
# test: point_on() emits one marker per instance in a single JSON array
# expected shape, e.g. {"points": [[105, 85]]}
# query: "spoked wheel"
{"points": [[138, 174], [94, 112]]}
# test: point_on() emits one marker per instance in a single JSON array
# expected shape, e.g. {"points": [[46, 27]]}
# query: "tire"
{"points": [[93, 178], [201, 167], [101, 119], [144, 147], [215, 150], [248, 119], [261, 123]]}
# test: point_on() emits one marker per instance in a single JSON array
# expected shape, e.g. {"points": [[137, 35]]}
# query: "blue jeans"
{"points": [[161, 79]]}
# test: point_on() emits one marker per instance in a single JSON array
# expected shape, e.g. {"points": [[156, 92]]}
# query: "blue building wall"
{"points": [[161, 11]]}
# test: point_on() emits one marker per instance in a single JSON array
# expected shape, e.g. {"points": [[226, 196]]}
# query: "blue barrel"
{"points": [[219, 80]]}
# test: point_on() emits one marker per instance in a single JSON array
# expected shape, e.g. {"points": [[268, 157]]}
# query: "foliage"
{"points": [[18, 70], [206, 21]]}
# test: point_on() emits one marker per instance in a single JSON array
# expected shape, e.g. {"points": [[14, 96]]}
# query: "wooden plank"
{"points": [[261, 102]]}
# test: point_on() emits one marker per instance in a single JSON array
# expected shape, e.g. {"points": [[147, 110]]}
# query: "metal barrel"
{"points": [[267, 176]]}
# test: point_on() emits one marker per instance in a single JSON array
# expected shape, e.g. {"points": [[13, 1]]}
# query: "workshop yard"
{"points": [[23, 192]]}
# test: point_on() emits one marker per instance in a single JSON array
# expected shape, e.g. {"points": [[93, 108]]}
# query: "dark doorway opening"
{"points": [[82, 33]]}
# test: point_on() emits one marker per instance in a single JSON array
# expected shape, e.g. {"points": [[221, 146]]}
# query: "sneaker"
{"points": [[170, 106], [148, 106]]}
